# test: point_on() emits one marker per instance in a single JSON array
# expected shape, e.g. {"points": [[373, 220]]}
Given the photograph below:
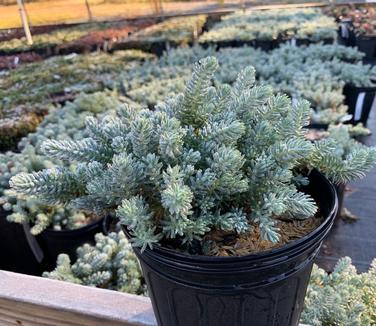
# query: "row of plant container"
{"points": [[75, 38], [111, 36], [329, 76], [267, 29], [357, 27], [53, 81], [300, 26], [214, 187]]}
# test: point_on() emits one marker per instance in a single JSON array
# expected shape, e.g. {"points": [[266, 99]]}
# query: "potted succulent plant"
{"points": [[344, 137], [359, 100], [357, 26], [110, 263], [47, 229], [217, 191]]}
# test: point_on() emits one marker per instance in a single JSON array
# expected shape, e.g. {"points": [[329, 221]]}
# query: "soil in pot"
{"points": [[53, 242], [264, 288], [359, 101], [228, 244]]}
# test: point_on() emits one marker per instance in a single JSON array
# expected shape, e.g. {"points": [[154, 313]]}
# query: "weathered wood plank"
{"points": [[31, 301], [34, 301]]}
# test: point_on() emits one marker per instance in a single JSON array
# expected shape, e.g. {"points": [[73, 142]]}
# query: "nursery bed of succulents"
{"points": [[77, 37], [67, 90], [357, 26], [273, 25], [108, 36]]}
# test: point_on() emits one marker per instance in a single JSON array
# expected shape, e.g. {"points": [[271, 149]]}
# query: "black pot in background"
{"points": [[359, 101], [300, 42], [16, 254], [317, 126], [227, 44], [340, 189], [367, 45], [157, 47], [211, 20], [52, 243], [346, 35], [265, 45], [263, 289]]}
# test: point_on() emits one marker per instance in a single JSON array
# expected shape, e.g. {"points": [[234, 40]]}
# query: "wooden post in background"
{"points": [[88, 10], [25, 22], [242, 4], [158, 8]]}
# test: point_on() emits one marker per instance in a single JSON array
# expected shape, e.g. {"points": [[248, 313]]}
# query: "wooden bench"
{"points": [[35, 301]]}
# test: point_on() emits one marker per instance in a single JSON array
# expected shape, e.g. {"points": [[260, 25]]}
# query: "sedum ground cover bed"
{"points": [[81, 37], [317, 73], [54, 81], [269, 25], [94, 36]]}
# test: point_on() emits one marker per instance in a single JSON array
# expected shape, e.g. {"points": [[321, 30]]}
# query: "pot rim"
{"points": [[366, 89], [276, 253]]}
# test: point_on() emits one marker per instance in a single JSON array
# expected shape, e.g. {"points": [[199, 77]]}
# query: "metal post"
{"points": [[25, 22]]}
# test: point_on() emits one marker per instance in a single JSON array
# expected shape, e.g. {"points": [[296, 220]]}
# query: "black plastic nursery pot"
{"points": [[265, 45], [367, 45], [300, 42], [227, 44], [318, 126], [154, 47], [16, 254], [340, 189], [346, 35], [261, 289], [359, 101], [52, 242]]}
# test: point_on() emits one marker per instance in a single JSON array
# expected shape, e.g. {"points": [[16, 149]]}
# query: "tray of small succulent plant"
{"points": [[266, 29]]}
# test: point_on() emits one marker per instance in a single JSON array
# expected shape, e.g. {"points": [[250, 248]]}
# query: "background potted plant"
{"points": [[110, 263], [217, 191], [343, 297], [357, 27], [47, 229], [345, 146]]}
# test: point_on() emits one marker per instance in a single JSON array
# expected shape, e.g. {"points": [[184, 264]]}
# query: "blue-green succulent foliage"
{"points": [[212, 158]]}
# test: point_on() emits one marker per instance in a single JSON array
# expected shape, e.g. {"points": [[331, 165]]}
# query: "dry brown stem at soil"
{"points": [[230, 244]]}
